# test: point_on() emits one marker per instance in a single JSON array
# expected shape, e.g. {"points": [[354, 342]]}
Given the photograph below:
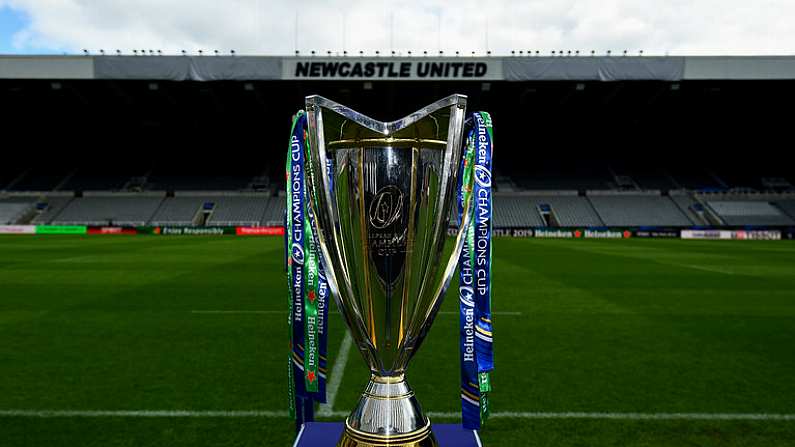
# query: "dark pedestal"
{"points": [[326, 434]]}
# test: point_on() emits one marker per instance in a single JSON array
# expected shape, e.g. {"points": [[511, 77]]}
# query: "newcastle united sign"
{"points": [[390, 68]]}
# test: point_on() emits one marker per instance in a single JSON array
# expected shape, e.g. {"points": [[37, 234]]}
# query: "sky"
{"points": [[681, 27]]}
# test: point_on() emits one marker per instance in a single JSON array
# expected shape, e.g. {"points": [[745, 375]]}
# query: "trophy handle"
{"points": [[321, 201], [453, 152]]}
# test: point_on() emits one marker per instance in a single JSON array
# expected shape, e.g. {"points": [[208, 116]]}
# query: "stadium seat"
{"points": [[749, 212], [630, 210], [569, 209], [107, 209]]}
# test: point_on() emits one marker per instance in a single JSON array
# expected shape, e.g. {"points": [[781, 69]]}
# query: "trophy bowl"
{"points": [[381, 194]]}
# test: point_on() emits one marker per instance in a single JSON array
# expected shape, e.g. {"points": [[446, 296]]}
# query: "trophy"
{"points": [[381, 194]]}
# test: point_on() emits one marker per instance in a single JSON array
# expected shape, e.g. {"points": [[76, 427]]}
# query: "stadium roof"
{"points": [[521, 68]]}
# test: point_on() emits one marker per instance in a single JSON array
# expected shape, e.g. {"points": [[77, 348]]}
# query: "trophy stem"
{"points": [[387, 414]]}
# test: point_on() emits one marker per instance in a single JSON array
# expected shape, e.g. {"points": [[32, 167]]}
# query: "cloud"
{"points": [[265, 26]]}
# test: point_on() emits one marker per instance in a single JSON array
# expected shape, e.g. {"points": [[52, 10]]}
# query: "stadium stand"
{"points": [[242, 209], [748, 212], [117, 209], [623, 197], [515, 211], [637, 209], [690, 207], [50, 207], [511, 209], [148, 209], [787, 206], [568, 209], [179, 211], [274, 211], [562, 137], [12, 211]]}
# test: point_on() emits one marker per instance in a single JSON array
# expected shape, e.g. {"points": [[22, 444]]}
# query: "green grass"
{"points": [[647, 326]]}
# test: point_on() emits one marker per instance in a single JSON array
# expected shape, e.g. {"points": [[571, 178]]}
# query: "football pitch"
{"points": [[182, 341]]}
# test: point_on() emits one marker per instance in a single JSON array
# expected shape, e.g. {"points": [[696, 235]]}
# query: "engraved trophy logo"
{"points": [[386, 207]]}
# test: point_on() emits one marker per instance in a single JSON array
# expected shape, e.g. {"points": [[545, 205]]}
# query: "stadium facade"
{"points": [[583, 142]]}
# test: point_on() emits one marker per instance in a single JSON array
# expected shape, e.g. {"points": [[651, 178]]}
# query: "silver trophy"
{"points": [[382, 194]]}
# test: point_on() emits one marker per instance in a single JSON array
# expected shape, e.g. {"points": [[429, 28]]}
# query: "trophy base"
{"points": [[387, 414], [353, 439]]}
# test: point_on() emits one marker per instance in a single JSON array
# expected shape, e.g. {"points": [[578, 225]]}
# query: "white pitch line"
{"points": [[298, 437], [336, 376], [441, 415], [649, 416], [238, 312], [708, 269], [285, 312], [141, 413]]}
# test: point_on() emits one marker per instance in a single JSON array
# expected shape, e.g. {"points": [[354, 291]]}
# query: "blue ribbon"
{"points": [[482, 252], [470, 392], [474, 293]]}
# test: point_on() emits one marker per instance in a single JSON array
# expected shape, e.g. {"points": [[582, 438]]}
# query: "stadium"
{"points": [[134, 311], [591, 142]]}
